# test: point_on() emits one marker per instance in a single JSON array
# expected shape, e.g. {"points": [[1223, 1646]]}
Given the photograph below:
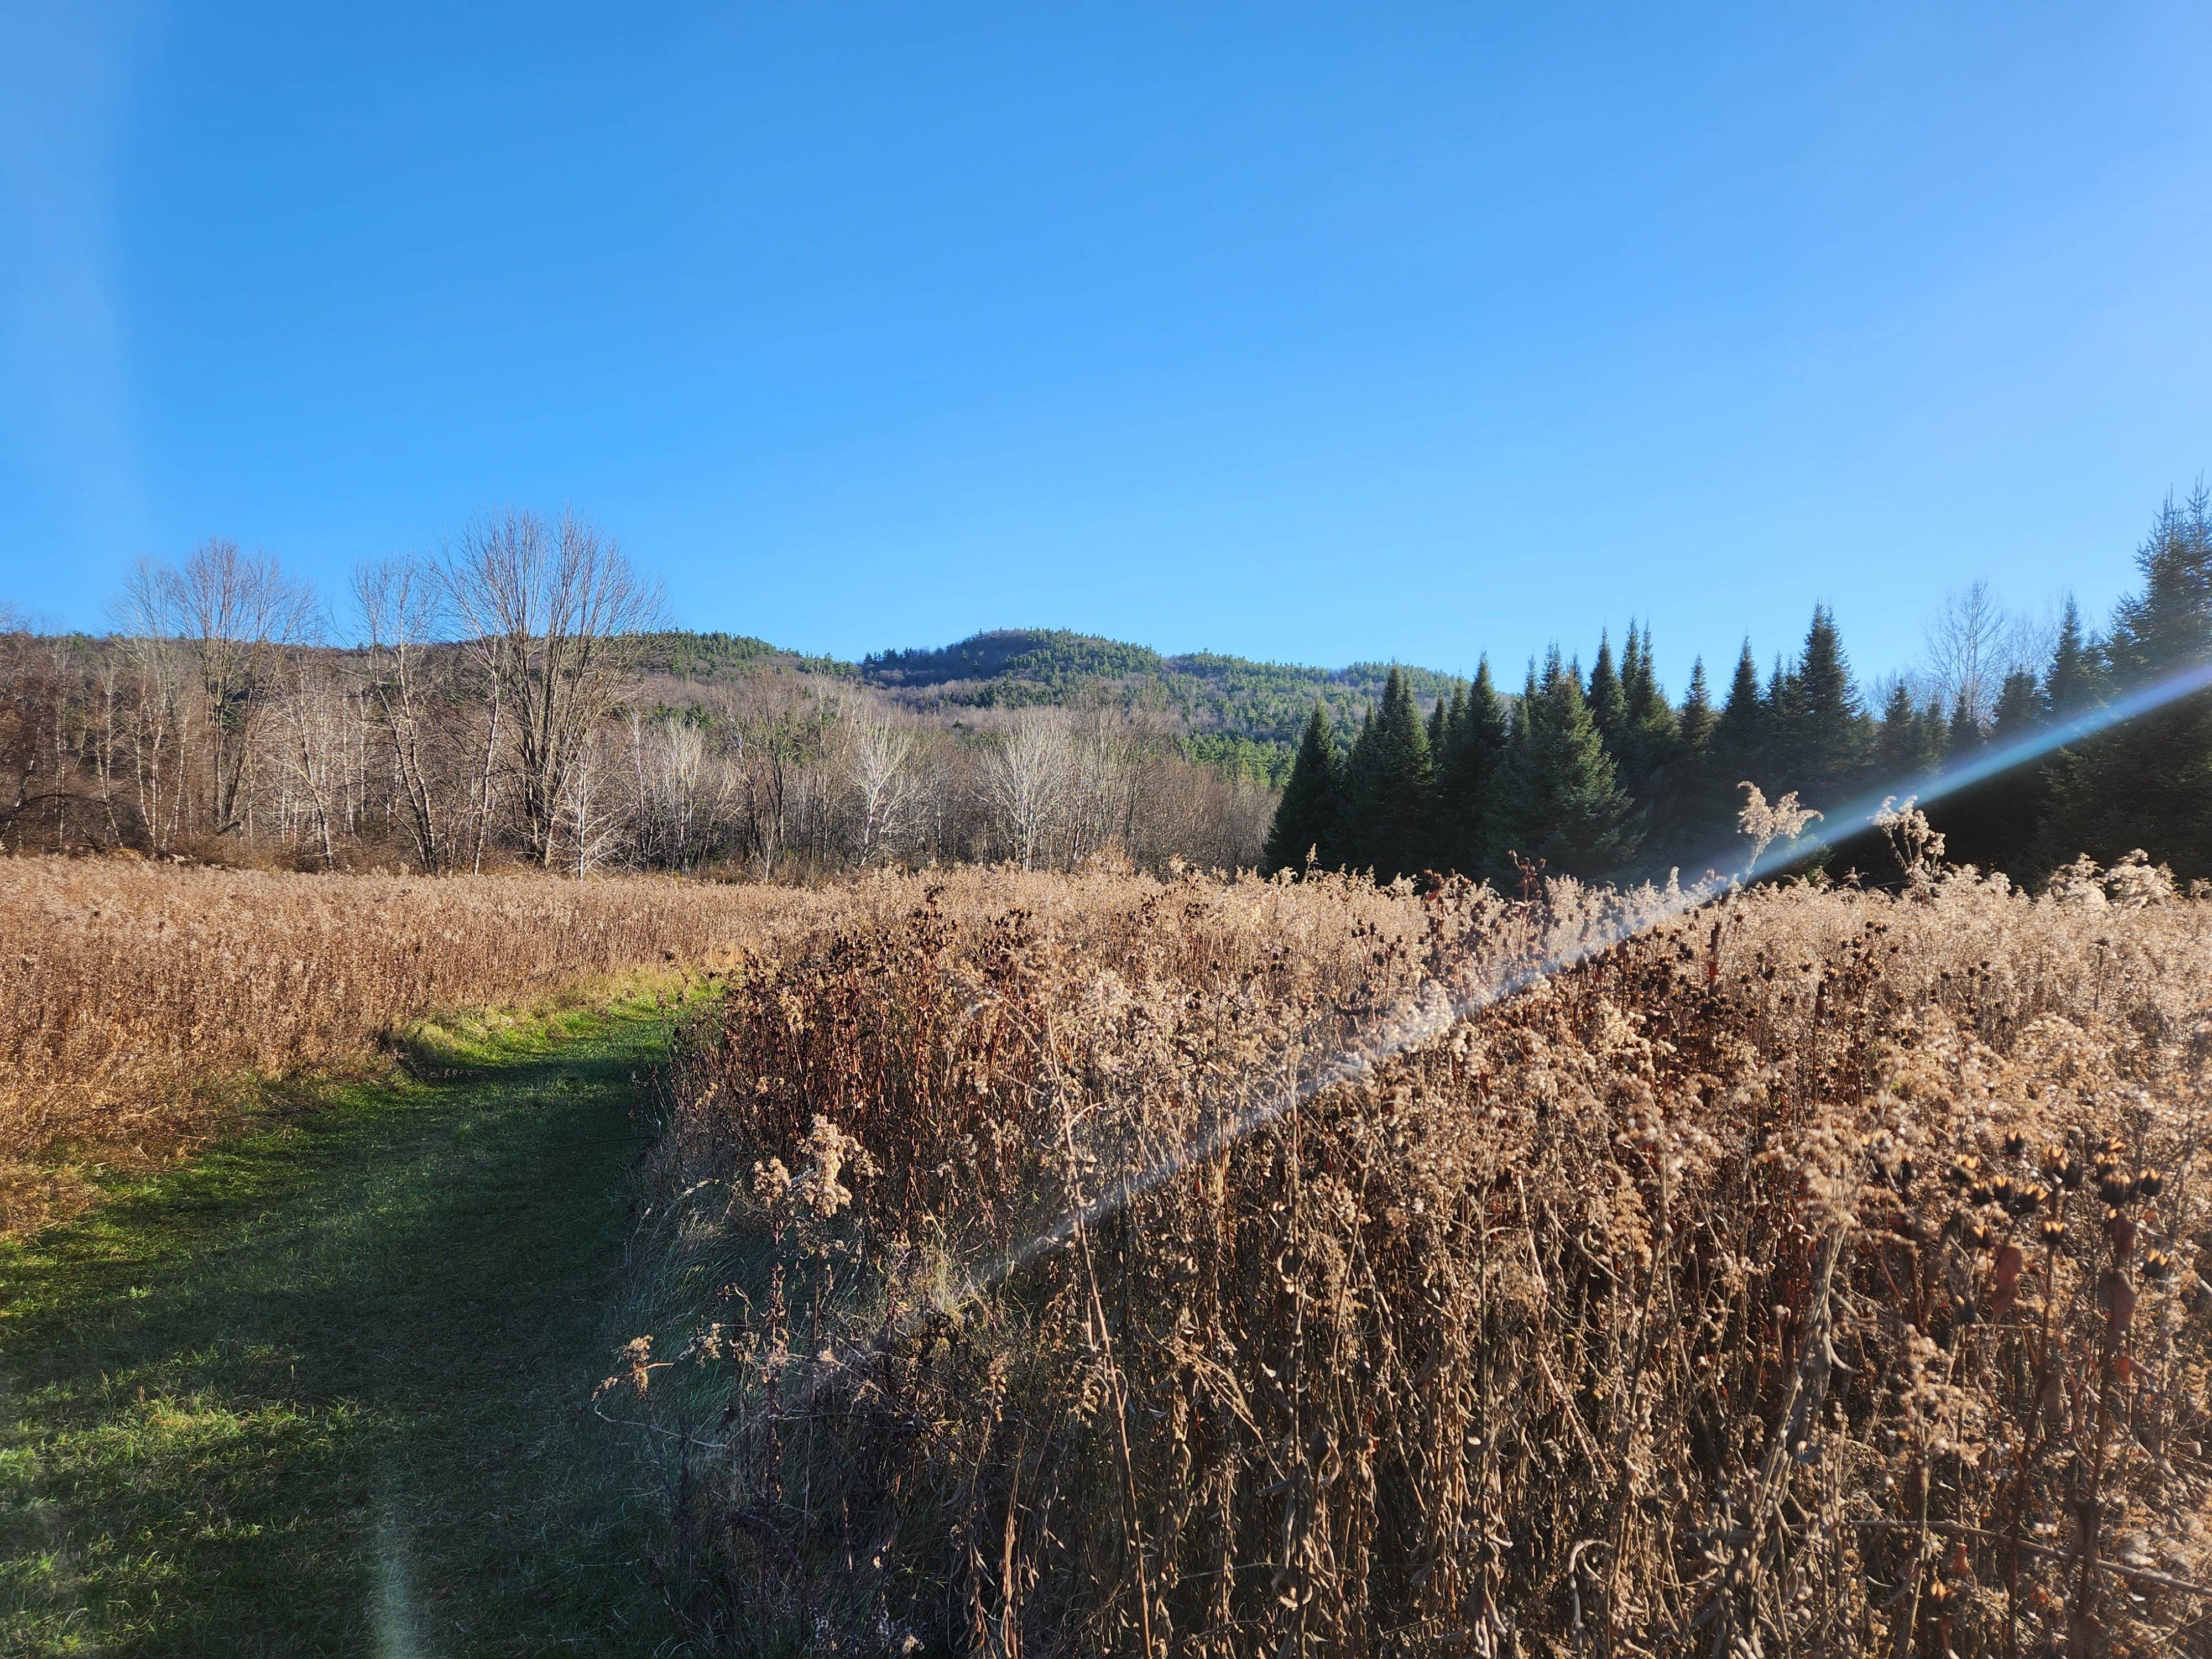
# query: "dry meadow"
{"points": [[1815, 1271], [1103, 1264], [135, 995]]}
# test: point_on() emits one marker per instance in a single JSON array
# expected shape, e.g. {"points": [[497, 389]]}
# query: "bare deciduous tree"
{"points": [[877, 759], [212, 635], [682, 792], [544, 611], [316, 719], [399, 604], [1025, 778], [1973, 645]]}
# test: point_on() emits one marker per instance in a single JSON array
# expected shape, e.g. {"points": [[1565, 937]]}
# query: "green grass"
{"points": [[324, 1389]]}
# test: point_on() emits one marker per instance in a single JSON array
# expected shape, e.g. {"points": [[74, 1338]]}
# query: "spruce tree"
{"points": [[1357, 805], [1990, 823], [2070, 684], [1693, 726], [1400, 786], [1684, 789], [1649, 735], [1935, 731], [2147, 782], [1446, 720], [1904, 750], [1964, 735], [1306, 818], [1738, 747], [1567, 807], [1469, 774], [1608, 706], [1824, 725], [2020, 708]]}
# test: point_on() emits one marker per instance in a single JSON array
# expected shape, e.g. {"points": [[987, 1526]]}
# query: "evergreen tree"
{"points": [[2070, 685], [1824, 727], [1469, 774], [1566, 805], [1964, 734], [1400, 786], [1739, 746], [1990, 823], [2020, 708], [1306, 818], [1649, 735], [1677, 787], [1782, 712], [1357, 806], [1608, 706], [2147, 782], [1904, 749], [1694, 726], [1937, 727]]}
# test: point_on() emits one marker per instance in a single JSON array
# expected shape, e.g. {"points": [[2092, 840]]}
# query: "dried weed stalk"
{"points": [[1816, 1274]]}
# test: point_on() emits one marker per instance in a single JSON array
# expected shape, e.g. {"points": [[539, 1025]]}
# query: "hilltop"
{"points": [[1224, 703]]}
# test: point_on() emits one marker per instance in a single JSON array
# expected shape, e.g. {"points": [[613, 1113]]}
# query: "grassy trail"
{"points": [[322, 1391]]}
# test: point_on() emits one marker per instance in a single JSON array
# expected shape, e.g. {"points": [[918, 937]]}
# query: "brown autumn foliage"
{"points": [[1818, 1272], [131, 992]]}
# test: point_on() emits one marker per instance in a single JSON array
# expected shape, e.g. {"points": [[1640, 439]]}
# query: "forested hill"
{"points": [[1215, 697]]}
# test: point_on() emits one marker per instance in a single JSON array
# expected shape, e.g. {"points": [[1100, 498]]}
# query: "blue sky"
{"points": [[1311, 334]]}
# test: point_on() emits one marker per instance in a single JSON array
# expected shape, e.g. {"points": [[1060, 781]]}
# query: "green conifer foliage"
{"points": [[1400, 784], [1608, 705], [1903, 748], [2070, 685], [1306, 818], [1990, 823], [1357, 802], [1567, 807], [1694, 726], [1824, 727], [2148, 782], [1964, 734], [1649, 739], [1738, 747], [1469, 776]]}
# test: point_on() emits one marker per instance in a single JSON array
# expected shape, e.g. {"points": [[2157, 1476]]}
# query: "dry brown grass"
{"points": [[1816, 1275], [133, 994]]}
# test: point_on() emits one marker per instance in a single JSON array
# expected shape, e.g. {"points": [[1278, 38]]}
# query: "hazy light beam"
{"points": [[1419, 1024]]}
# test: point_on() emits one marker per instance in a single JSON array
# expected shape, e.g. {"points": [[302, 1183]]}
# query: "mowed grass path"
{"points": [[324, 1391]]}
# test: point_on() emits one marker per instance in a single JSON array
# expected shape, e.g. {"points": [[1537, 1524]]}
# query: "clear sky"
{"points": [[1316, 334]]}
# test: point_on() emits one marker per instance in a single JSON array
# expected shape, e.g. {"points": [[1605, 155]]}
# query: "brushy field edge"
{"points": [[1821, 1273]]}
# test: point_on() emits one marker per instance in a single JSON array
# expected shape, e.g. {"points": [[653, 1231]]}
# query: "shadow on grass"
{"points": [[322, 1390]]}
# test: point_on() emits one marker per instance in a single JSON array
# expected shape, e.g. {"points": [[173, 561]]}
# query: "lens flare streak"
{"points": [[1417, 1025]]}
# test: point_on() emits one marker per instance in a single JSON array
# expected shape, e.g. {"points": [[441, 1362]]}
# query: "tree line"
{"points": [[1602, 775], [510, 700]]}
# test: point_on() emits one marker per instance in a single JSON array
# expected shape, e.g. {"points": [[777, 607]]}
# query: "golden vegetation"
{"points": [[1818, 1273], [130, 992]]}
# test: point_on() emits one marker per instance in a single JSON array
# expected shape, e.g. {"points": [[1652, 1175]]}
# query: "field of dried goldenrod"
{"points": [[1813, 1273], [130, 992]]}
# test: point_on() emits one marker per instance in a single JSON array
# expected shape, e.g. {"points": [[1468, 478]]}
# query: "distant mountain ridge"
{"points": [[1215, 695]]}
